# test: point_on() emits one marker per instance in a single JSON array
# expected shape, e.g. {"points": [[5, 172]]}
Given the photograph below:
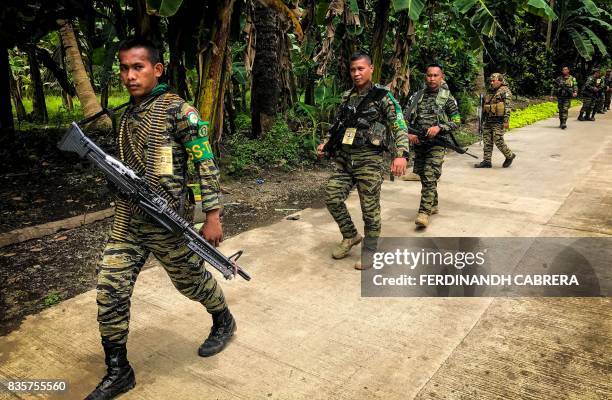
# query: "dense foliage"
{"points": [[298, 68]]}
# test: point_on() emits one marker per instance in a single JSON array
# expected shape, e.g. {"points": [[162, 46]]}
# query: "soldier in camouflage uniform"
{"points": [[359, 163], [432, 109], [564, 87], [590, 92], [601, 94], [496, 113], [163, 139], [608, 79]]}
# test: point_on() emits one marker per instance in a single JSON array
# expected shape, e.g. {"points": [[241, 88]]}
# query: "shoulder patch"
{"points": [[190, 114]]}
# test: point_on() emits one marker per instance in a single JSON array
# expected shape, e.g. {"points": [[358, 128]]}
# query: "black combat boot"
{"points": [[221, 332], [592, 118], [508, 161], [563, 124], [119, 376], [483, 164], [581, 116]]}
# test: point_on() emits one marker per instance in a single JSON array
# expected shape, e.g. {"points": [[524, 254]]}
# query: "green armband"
{"points": [[199, 150], [456, 118], [399, 122]]}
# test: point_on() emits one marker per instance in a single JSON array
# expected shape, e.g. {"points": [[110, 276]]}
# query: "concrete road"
{"points": [[304, 331]]}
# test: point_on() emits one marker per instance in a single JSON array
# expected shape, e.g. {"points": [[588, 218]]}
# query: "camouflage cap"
{"points": [[497, 76]]}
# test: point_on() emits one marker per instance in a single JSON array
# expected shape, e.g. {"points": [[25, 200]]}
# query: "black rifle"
{"points": [[441, 139], [350, 117], [133, 187]]}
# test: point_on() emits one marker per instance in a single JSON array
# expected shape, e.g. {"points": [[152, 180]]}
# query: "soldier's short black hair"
{"points": [[361, 56], [433, 65], [140, 42]]}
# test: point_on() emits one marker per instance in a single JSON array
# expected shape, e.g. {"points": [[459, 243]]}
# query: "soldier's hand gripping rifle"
{"points": [[479, 112], [441, 139], [349, 116], [133, 187]]}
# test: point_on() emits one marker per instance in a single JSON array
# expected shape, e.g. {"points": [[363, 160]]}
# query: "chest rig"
{"points": [[428, 113], [565, 86], [368, 121], [494, 105]]}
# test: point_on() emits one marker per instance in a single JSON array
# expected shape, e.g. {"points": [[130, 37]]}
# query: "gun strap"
{"points": [[414, 102], [370, 96]]}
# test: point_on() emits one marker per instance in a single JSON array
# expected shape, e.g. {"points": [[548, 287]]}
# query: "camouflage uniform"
{"points": [[361, 164], [564, 88], [169, 158], [433, 107], [589, 98], [494, 120], [601, 94]]}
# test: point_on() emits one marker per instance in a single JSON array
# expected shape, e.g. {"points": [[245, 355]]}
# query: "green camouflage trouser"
{"points": [[588, 105], [563, 104], [493, 132], [599, 102], [428, 165], [123, 260], [607, 100], [362, 167]]}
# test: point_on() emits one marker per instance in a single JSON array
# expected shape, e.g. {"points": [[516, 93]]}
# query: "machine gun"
{"points": [[135, 188], [350, 117], [445, 140]]}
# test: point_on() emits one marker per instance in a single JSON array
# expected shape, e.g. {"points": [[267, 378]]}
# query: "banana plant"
{"points": [[579, 20]]}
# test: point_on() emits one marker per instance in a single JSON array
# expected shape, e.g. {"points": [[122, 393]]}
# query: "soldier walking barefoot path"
{"points": [[306, 333]]}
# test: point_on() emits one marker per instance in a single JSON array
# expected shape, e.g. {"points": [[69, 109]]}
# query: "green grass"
{"points": [[535, 113], [59, 115], [518, 119], [51, 299]]}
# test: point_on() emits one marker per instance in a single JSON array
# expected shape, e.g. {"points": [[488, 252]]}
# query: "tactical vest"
{"points": [[441, 99], [494, 105], [369, 128], [143, 150], [565, 87]]}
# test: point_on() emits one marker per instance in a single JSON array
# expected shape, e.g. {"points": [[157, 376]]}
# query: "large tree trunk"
{"points": [[6, 112], [176, 69], [66, 98], [212, 77], [39, 106], [267, 84], [146, 25], [480, 85], [404, 38], [381, 26], [17, 99], [84, 89]]}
